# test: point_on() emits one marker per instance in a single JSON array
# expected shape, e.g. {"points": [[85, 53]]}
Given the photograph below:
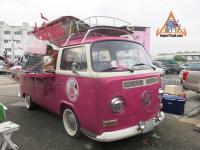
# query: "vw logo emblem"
{"points": [[146, 98]]}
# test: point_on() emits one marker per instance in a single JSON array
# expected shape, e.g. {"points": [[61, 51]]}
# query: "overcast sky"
{"points": [[151, 13]]}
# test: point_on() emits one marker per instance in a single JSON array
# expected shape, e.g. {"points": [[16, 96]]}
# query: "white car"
{"points": [[1, 65], [160, 70]]}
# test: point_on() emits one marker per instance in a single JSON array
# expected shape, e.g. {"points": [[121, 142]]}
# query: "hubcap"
{"points": [[27, 101], [70, 122]]}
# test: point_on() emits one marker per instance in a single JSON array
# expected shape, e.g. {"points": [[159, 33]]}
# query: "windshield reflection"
{"points": [[114, 56]]}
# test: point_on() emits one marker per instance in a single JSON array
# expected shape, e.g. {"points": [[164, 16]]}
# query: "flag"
{"points": [[35, 27], [44, 18]]}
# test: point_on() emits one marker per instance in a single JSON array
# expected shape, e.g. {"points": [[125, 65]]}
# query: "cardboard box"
{"points": [[173, 89]]}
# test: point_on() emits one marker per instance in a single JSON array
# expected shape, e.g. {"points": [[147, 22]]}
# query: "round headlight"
{"points": [[117, 105]]}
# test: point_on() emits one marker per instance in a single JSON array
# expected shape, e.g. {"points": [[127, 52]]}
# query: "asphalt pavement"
{"points": [[42, 130]]}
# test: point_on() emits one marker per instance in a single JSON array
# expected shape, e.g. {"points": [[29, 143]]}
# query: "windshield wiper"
{"points": [[141, 64], [113, 68], [128, 69], [108, 69]]}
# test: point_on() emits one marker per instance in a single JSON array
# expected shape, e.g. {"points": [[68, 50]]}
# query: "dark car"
{"points": [[171, 65]]}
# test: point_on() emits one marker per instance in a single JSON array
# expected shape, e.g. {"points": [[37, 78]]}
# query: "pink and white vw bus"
{"points": [[104, 85]]}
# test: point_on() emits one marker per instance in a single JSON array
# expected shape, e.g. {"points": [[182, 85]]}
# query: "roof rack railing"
{"points": [[97, 28], [100, 20], [106, 31]]}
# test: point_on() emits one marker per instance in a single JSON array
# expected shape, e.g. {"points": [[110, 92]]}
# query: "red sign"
{"points": [[50, 32], [58, 30]]}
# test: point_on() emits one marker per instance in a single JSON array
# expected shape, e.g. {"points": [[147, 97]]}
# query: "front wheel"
{"points": [[71, 123], [29, 103]]}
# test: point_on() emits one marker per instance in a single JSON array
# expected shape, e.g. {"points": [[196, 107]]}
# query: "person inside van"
{"points": [[51, 63]]}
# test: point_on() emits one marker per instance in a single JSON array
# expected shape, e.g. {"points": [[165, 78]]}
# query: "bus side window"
{"points": [[74, 55]]}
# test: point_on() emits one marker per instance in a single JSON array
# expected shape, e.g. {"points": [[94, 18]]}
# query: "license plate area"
{"points": [[149, 125]]}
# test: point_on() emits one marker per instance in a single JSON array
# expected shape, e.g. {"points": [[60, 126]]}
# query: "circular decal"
{"points": [[72, 89], [146, 98]]}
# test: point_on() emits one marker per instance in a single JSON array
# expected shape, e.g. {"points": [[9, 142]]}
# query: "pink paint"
{"points": [[90, 97], [142, 35], [92, 40]]}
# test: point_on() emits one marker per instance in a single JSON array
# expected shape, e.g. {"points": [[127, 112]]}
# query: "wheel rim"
{"points": [[27, 101], [70, 123]]}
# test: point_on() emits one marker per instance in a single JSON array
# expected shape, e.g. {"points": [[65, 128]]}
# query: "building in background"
{"points": [[12, 39], [142, 35], [189, 57], [164, 56]]}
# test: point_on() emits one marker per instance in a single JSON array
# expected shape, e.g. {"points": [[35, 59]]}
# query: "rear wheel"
{"points": [[71, 123], [29, 103]]}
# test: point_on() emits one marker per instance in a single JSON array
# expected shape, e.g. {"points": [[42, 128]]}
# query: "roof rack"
{"points": [[97, 29], [102, 20], [66, 28]]}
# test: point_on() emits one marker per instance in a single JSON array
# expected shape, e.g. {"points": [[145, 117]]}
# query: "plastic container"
{"points": [[173, 104]]}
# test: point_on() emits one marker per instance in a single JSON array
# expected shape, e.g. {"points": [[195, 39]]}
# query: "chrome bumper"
{"points": [[128, 132]]}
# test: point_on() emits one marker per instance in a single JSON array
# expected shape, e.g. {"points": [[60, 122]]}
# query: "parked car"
{"points": [[184, 66], [189, 67], [159, 68], [191, 77], [1, 66], [171, 65], [15, 70]]}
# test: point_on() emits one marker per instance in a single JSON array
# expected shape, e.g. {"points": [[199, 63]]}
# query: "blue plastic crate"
{"points": [[173, 104]]}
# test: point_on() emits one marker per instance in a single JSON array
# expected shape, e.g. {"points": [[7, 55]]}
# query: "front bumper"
{"points": [[128, 132]]}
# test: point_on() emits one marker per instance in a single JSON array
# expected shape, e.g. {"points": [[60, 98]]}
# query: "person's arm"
{"points": [[50, 63], [53, 61]]}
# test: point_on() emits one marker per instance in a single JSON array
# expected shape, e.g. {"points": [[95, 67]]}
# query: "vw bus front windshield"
{"points": [[119, 56]]}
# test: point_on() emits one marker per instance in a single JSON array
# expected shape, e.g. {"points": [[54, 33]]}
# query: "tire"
{"points": [[12, 76], [71, 123], [29, 104]]}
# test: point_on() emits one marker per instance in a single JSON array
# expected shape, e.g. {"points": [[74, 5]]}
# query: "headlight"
{"points": [[117, 105]]}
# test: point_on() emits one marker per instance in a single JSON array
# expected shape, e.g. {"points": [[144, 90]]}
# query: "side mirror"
{"points": [[74, 68]]}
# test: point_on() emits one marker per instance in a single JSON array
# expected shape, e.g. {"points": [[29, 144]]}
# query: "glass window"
{"points": [[6, 32], [74, 55], [7, 49], [17, 41], [194, 66], [17, 32], [118, 56], [157, 64], [5, 41]]}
